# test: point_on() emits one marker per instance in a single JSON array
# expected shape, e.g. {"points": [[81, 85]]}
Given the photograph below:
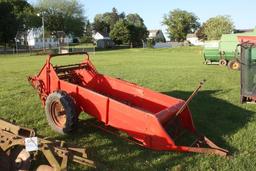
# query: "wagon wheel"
{"points": [[61, 112], [234, 65], [222, 62]]}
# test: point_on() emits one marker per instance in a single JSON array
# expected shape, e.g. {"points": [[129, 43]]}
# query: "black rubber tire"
{"points": [[69, 108]]}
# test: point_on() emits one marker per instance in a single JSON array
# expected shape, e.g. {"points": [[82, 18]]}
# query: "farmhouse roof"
{"points": [[153, 33], [100, 35], [243, 30]]}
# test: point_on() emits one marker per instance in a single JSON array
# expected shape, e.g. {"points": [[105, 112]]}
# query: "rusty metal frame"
{"points": [[56, 152]]}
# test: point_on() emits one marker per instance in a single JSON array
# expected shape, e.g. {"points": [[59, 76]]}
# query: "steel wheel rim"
{"points": [[235, 65], [58, 114], [223, 62]]}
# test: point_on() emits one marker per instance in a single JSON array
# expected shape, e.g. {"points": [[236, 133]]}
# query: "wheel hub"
{"points": [[235, 65], [58, 114]]}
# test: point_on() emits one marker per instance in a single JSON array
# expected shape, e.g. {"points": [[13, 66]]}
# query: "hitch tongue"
{"points": [[191, 97], [198, 147]]}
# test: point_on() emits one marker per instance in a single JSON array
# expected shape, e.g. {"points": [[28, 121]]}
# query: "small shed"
{"points": [[103, 40], [105, 43]]}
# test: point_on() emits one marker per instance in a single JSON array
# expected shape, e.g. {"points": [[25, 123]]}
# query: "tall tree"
{"points": [[99, 24], [200, 33], [130, 30], [216, 26], [9, 24], [24, 13], [16, 15], [137, 29], [62, 15], [113, 22], [110, 18], [87, 37], [105, 22], [135, 19], [180, 23], [120, 32]]}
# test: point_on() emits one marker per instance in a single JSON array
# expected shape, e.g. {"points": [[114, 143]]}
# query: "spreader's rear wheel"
{"points": [[61, 112], [222, 62], [234, 65]]}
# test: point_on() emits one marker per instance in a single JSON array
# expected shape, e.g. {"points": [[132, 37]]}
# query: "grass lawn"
{"points": [[216, 110], [83, 45]]}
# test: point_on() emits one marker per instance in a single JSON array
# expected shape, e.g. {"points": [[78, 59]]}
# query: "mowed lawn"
{"points": [[216, 110]]}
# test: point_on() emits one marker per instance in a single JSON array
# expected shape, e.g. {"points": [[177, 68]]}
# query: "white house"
{"points": [[35, 40], [98, 36], [157, 35], [212, 44], [193, 39], [103, 40]]}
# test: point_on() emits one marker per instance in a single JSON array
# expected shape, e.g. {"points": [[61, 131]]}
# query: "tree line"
{"points": [[180, 23], [58, 15], [15, 15], [122, 29], [68, 16]]}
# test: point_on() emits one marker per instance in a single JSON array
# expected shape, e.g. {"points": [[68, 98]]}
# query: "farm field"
{"points": [[216, 110]]}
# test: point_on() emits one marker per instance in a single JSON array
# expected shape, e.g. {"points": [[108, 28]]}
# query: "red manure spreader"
{"points": [[151, 119]]}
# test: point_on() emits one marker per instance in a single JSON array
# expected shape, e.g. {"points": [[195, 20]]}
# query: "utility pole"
{"points": [[43, 33], [42, 15]]}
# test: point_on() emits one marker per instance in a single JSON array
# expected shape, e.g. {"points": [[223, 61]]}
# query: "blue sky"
{"points": [[152, 11]]}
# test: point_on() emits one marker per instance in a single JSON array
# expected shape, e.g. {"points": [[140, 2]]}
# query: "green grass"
{"points": [[216, 110], [82, 45]]}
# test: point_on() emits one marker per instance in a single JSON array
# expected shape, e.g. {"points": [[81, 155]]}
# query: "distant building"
{"points": [[20, 38], [243, 30], [103, 40], [212, 44], [163, 45], [194, 40], [157, 35], [35, 40]]}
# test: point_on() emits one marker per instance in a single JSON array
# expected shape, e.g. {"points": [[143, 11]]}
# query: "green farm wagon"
{"points": [[225, 51]]}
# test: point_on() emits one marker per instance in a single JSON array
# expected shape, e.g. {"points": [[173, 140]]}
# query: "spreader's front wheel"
{"points": [[61, 112]]}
